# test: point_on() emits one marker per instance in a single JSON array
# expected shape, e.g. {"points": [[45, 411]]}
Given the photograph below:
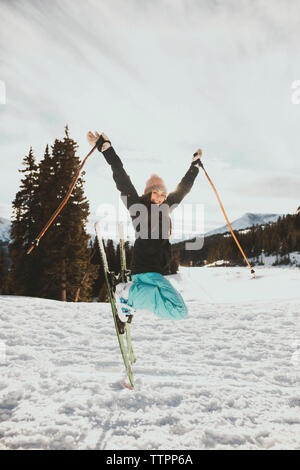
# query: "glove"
{"points": [[196, 161]]}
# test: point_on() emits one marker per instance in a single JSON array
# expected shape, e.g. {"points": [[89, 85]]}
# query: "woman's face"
{"points": [[158, 197]]}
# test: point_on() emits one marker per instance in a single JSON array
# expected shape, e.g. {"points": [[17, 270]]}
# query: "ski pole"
{"points": [[199, 153], [62, 204]]}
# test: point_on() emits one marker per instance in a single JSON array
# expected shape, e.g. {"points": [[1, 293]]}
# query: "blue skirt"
{"points": [[152, 291]]}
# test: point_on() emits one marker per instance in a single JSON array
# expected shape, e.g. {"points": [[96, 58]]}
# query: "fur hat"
{"points": [[155, 182]]}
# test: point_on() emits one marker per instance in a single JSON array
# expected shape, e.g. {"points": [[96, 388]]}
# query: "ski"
{"points": [[125, 276], [131, 355], [121, 328]]}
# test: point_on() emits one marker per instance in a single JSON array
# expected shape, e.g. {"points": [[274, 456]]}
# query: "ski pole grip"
{"points": [[100, 142], [197, 158]]}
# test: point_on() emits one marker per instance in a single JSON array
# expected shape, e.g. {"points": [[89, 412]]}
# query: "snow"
{"points": [[295, 257], [5, 226], [227, 377], [270, 260]]}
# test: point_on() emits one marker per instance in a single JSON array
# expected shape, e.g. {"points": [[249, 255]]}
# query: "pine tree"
{"points": [[64, 248], [113, 256], [24, 272], [3, 273], [90, 277]]}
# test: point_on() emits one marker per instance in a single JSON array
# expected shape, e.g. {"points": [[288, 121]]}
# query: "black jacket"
{"points": [[152, 223]]}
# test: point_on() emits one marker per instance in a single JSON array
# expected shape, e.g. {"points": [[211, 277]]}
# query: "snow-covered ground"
{"points": [[225, 378], [270, 260]]}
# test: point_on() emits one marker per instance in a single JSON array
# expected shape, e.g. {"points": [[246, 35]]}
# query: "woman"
{"points": [[150, 214]]}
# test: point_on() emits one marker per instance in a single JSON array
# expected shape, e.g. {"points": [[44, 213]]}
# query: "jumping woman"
{"points": [[150, 214]]}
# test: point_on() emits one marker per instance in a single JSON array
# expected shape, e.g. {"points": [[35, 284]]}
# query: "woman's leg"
{"points": [[152, 291]]}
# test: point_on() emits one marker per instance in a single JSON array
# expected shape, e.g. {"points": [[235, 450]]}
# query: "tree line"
{"points": [[279, 238]]}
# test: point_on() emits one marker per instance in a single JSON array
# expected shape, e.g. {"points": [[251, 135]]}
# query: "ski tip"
{"points": [[126, 385], [121, 229]]}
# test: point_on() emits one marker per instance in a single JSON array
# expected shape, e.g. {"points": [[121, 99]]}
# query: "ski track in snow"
{"points": [[225, 378]]}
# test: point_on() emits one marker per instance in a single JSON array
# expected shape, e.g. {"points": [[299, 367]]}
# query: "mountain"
{"points": [[5, 225], [246, 221]]}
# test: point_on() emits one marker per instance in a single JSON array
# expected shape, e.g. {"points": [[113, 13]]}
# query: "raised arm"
{"points": [[124, 185], [186, 183], [122, 180]]}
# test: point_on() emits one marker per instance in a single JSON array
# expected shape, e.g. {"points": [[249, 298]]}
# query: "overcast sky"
{"points": [[161, 78]]}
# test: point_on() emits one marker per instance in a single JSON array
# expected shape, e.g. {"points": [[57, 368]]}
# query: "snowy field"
{"points": [[225, 378]]}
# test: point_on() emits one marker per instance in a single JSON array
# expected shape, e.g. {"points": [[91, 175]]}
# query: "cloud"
{"points": [[162, 78], [274, 187]]}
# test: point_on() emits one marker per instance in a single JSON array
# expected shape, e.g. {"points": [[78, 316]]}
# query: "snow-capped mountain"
{"points": [[246, 221], [5, 225]]}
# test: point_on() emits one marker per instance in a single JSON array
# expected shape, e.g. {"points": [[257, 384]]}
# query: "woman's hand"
{"points": [[93, 138], [196, 161]]}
